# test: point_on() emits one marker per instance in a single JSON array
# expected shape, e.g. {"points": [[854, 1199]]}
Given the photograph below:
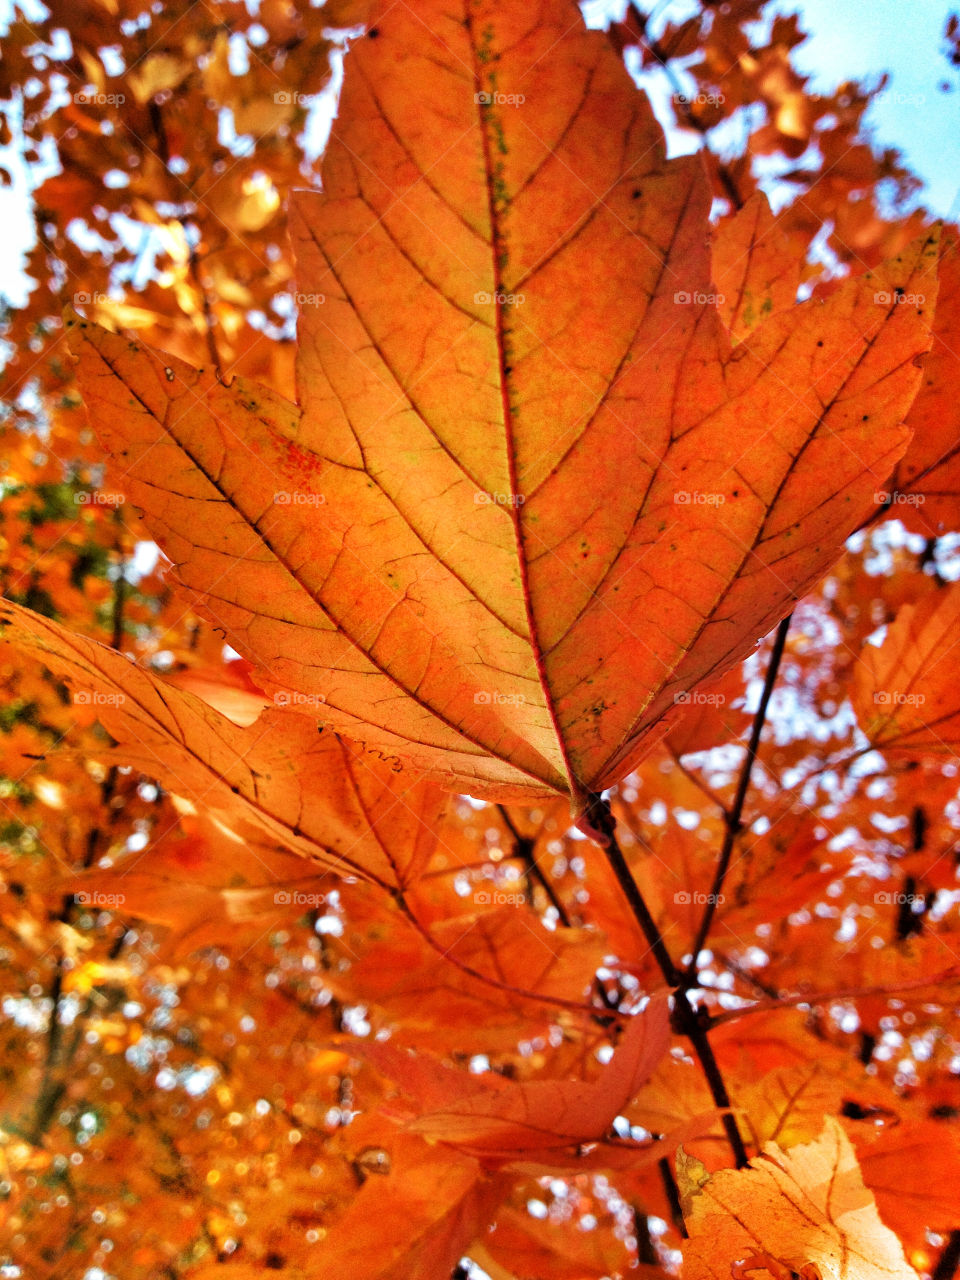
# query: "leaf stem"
{"points": [[733, 816], [685, 1018]]}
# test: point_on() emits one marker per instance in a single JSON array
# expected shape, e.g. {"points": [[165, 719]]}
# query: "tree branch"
{"points": [[686, 1020], [523, 849], [733, 816]]}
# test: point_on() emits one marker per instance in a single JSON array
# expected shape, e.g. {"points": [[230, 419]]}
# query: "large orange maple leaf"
{"points": [[531, 492]]}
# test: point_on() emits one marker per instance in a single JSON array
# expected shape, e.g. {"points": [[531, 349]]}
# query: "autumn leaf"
{"points": [[465, 540], [414, 1215], [756, 272], [236, 890], [477, 981], [336, 802], [530, 493], [788, 1210], [499, 1121], [924, 491], [905, 691]]}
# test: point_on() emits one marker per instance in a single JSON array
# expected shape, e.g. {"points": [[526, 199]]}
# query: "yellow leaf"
{"points": [[802, 1208]]}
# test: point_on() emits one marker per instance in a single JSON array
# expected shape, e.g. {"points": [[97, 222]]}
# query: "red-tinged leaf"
{"points": [[528, 1246], [710, 717], [485, 982], [905, 692], [235, 892], [333, 801], [414, 1220], [914, 1171], [500, 1121], [788, 1210], [530, 494]]}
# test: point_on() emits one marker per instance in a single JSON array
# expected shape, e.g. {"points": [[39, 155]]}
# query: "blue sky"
{"points": [[859, 39]]}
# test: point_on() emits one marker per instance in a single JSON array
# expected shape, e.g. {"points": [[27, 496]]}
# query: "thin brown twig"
{"points": [[524, 849], [685, 1017], [733, 816]]}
